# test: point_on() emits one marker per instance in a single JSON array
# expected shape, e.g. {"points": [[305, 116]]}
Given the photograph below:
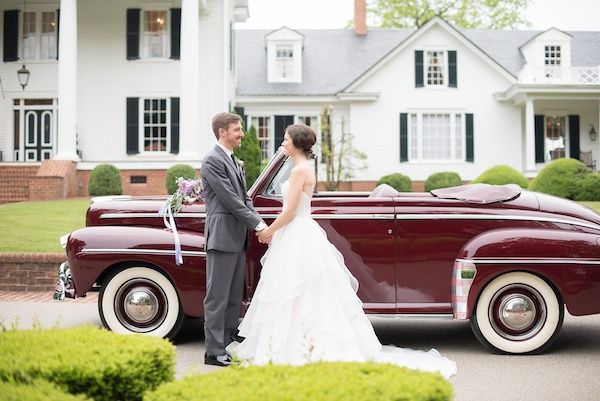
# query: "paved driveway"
{"points": [[569, 371]]}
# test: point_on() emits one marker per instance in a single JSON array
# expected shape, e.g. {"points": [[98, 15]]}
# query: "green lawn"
{"points": [[37, 226]]}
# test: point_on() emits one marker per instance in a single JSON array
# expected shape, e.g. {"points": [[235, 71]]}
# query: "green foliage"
{"points": [[399, 182], [500, 175], [320, 381], [249, 152], [174, 172], [442, 180], [39, 390], [561, 177], [103, 365], [589, 189], [105, 179], [486, 14]]}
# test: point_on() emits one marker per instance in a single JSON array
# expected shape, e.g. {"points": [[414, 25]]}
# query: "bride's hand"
{"points": [[264, 236]]}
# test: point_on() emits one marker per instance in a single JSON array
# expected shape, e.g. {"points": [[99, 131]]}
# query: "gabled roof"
{"points": [[543, 32]]}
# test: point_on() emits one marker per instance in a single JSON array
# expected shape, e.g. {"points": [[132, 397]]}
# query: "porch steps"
{"points": [[14, 181]]}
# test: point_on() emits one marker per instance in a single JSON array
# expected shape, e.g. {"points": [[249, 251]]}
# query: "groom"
{"points": [[229, 215]]}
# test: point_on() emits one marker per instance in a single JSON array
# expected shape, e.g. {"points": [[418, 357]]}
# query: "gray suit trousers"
{"points": [[224, 290]]}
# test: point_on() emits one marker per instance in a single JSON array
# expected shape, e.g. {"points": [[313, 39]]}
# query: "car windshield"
{"points": [[274, 187]]}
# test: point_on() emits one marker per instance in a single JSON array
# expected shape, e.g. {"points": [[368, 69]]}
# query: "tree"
{"points": [[485, 14], [249, 152], [341, 158]]}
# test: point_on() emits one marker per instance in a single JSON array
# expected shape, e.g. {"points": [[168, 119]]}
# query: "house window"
{"points": [[284, 61], [39, 35], [552, 61], [313, 122], [435, 68], [436, 136], [154, 34], [156, 131], [263, 131], [554, 140]]}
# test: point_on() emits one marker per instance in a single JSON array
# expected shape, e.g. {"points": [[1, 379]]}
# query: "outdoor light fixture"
{"points": [[23, 75], [592, 133]]}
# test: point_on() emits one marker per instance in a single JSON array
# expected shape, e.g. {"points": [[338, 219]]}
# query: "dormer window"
{"points": [[284, 56], [552, 61]]}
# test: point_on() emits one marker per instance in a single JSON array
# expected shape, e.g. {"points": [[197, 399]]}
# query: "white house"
{"points": [[434, 99], [133, 83]]}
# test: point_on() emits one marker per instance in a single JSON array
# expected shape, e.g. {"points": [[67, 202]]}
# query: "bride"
{"points": [[305, 308]]}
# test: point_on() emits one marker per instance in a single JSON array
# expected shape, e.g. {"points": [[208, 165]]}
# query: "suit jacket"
{"points": [[229, 210]]}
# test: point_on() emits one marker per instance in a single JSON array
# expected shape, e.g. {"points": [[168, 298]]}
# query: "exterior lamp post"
{"points": [[23, 75]]}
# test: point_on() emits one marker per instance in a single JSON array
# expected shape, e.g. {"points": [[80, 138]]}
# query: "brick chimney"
{"points": [[360, 17]]}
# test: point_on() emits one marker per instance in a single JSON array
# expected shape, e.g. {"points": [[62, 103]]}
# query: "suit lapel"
{"points": [[236, 169]]}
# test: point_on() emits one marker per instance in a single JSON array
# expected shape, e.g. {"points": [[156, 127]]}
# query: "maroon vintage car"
{"points": [[507, 259]]}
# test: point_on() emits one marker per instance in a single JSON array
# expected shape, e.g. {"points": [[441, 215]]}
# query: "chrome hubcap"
{"points": [[517, 312], [141, 305]]}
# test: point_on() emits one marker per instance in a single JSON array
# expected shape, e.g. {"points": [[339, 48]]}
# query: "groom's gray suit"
{"points": [[229, 215]]}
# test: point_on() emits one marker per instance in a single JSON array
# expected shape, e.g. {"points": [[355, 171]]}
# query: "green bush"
{"points": [[589, 189], [39, 390], [105, 179], [500, 175], [320, 381], [442, 180], [399, 182], [101, 364], [249, 152], [179, 170], [561, 177]]}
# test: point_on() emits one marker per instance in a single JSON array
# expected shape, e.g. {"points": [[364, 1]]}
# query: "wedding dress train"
{"points": [[305, 308]]}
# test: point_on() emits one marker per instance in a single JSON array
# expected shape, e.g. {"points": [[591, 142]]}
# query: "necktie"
{"points": [[237, 166]]}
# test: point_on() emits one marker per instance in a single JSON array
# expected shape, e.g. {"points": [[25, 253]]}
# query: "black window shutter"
{"points": [[418, 68], [57, 30], [133, 33], [175, 125], [540, 151], [452, 68], [175, 33], [403, 137], [574, 137], [11, 36], [470, 153], [132, 125]]}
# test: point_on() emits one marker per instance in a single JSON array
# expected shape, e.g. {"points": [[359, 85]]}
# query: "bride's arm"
{"points": [[297, 178]]}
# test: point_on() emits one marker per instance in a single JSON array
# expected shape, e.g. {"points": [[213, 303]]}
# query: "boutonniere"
{"points": [[240, 163]]}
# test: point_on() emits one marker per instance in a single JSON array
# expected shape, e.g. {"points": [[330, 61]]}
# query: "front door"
{"points": [[35, 129], [281, 123]]}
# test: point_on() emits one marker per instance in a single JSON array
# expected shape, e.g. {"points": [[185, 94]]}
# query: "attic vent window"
{"points": [[138, 179]]}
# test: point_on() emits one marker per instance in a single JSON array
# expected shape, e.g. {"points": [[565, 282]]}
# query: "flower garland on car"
{"points": [[188, 192]]}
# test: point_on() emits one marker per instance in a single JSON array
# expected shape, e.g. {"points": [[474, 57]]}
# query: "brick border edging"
{"points": [[29, 271]]}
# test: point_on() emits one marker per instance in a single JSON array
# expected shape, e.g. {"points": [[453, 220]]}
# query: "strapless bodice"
{"points": [[303, 208]]}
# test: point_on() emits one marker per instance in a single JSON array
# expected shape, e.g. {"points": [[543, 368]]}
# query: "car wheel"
{"points": [[140, 300], [517, 313]]}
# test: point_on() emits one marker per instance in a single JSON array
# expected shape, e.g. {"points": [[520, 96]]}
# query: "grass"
{"points": [[37, 226]]}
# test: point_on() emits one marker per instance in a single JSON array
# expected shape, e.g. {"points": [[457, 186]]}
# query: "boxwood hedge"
{"points": [[589, 188], [39, 390], [105, 179], [101, 364], [443, 179], [500, 175], [561, 177], [320, 381], [399, 182], [174, 172]]}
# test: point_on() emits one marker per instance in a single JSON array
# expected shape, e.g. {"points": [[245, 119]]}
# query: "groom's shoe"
{"points": [[218, 360]]}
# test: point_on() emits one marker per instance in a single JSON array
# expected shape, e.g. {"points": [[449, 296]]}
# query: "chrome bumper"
{"points": [[64, 284]]}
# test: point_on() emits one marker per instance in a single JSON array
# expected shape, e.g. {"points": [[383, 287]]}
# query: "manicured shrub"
{"points": [[176, 171], [500, 175], [249, 152], [320, 381], [442, 180], [561, 177], [101, 364], [589, 189], [38, 390], [105, 179], [399, 182]]}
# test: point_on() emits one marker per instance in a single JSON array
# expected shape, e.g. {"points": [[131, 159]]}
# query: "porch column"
{"points": [[529, 137], [67, 82], [189, 120]]}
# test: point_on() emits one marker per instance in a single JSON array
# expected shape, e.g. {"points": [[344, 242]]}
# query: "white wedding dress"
{"points": [[305, 308]]}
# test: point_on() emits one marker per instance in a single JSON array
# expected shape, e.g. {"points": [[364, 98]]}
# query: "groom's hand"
{"points": [[263, 236]]}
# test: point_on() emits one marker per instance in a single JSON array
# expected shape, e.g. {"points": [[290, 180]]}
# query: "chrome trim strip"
{"points": [[140, 251], [423, 316], [147, 215], [531, 261], [373, 216], [444, 216]]}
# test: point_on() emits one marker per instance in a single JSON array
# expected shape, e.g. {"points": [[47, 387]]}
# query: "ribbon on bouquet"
{"points": [[166, 212]]}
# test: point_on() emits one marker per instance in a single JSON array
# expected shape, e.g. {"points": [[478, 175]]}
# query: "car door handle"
{"points": [[390, 231]]}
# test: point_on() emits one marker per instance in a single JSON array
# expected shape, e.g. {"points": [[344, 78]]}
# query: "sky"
{"points": [[568, 15]]}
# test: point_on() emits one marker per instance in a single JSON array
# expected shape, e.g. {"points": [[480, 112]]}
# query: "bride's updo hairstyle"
{"points": [[303, 138]]}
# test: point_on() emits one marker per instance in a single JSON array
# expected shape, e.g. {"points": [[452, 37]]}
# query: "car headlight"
{"points": [[63, 240]]}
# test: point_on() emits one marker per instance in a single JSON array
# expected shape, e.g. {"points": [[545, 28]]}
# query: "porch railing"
{"points": [[562, 75]]}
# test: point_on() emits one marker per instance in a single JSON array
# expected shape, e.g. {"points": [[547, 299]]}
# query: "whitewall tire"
{"points": [[517, 313], [140, 300]]}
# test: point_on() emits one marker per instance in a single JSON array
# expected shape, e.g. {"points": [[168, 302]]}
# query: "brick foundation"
{"points": [[29, 271]]}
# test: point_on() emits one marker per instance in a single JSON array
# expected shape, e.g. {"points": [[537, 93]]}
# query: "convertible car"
{"points": [[507, 259]]}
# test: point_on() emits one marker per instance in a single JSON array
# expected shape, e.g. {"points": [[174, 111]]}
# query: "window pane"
{"points": [[414, 150], [555, 138], [29, 36], [435, 68], [436, 136], [154, 34], [284, 61], [156, 130], [263, 127], [48, 38], [458, 137]]}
